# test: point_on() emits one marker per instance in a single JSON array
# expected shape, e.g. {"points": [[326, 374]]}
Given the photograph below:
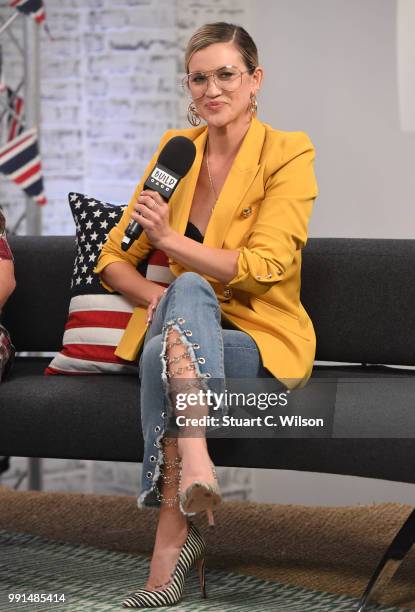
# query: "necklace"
{"points": [[210, 177]]}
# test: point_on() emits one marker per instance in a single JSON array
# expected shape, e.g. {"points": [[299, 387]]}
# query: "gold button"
{"points": [[227, 292], [246, 211]]}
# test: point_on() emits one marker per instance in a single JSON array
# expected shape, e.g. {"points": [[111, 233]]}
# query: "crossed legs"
{"points": [[183, 347]]}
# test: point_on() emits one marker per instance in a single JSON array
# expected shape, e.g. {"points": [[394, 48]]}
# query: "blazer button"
{"points": [[246, 211], [227, 293]]}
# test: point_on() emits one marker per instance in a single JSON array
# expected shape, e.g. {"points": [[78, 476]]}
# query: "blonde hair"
{"points": [[219, 32]]}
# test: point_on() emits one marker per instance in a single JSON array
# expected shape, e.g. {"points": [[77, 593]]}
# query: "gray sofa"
{"points": [[360, 294]]}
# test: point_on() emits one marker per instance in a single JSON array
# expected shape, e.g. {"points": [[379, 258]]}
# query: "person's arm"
{"points": [[7, 280], [281, 228], [220, 264], [279, 231], [124, 278]]}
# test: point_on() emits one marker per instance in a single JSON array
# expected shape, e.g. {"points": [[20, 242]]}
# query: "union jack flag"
{"points": [[34, 8], [14, 114], [20, 161]]}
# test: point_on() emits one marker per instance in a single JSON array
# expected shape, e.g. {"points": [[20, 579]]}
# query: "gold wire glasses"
{"points": [[226, 78]]}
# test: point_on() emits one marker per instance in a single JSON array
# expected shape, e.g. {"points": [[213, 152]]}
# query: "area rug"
{"points": [[323, 549], [96, 579]]}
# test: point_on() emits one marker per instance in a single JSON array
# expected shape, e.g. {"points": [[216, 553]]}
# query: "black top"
{"points": [[193, 232]]}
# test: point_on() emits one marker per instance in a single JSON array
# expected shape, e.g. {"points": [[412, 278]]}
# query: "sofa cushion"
{"points": [[68, 416], [98, 417], [97, 318], [36, 312], [360, 295]]}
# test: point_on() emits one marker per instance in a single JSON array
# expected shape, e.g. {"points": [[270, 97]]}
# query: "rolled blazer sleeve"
{"points": [[282, 222], [111, 251]]}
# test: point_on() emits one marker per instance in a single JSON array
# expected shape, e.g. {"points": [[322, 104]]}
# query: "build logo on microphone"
{"points": [[162, 179]]}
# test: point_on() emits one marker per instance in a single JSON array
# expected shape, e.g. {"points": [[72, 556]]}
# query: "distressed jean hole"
{"points": [[172, 377]]}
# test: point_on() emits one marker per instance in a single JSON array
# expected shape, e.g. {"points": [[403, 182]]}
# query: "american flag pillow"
{"points": [[97, 318]]}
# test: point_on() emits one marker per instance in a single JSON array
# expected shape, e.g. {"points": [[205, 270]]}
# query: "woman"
{"points": [[233, 232], [7, 286]]}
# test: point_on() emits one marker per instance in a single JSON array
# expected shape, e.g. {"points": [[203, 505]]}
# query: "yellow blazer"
{"points": [[263, 212]]}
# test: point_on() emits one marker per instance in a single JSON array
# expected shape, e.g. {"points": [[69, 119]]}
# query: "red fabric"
{"points": [[97, 318], [28, 173], [158, 258], [104, 354], [5, 252]]}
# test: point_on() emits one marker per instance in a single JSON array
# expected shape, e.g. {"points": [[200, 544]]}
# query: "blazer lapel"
{"points": [[181, 201], [241, 175]]}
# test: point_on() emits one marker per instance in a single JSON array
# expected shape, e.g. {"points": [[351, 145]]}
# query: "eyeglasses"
{"points": [[226, 78]]}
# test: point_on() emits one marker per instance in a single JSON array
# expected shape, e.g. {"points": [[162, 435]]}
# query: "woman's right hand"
{"points": [[152, 305]]}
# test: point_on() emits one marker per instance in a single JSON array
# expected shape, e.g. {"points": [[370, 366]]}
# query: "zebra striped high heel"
{"points": [[191, 554]]}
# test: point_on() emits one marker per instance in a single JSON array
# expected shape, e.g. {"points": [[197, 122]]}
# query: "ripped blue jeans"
{"points": [[190, 307]]}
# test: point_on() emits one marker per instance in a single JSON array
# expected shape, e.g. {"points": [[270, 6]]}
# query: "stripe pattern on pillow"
{"points": [[93, 330], [158, 269]]}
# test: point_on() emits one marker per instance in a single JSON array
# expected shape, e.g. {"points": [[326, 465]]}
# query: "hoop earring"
{"points": [[253, 105], [193, 116]]}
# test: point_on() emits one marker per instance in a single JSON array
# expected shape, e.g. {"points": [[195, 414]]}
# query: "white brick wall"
{"points": [[110, 87]]}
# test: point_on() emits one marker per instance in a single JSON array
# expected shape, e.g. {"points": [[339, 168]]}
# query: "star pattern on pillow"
{"points": [[93, 221]]}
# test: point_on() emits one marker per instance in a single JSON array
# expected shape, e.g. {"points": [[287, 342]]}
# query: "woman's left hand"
{"points": [[152, 306], [154, 217]]}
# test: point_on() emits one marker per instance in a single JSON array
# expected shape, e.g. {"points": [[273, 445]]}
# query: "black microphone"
{"points": [[174, 162]]}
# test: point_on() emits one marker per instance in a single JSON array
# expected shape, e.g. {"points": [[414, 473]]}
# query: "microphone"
{"points": [[174, 162]]}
